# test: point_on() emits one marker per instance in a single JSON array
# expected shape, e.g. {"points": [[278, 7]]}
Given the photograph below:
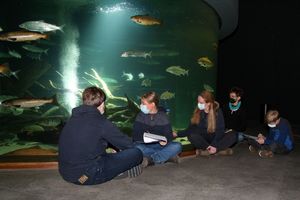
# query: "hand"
{"points": [[211, 149], [260, 140], [162, 143], [174, 134]]}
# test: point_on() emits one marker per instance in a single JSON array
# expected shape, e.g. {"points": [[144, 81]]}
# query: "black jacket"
{"points": [[235, 120], [84, 138]]}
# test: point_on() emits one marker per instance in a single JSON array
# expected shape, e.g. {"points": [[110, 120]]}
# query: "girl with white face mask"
{"points": [[207, 129], [155, 121], [279, 139]]}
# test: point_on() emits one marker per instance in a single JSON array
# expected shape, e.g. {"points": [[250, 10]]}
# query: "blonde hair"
{"points": [[272, 116], [212, 113]]}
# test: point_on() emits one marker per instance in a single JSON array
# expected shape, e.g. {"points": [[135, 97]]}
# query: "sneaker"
{"points": [[225, 152], [265, 154], [252, 149], [174, 159], [147, 162], [135, 171], [131, 173], [200, 152]]}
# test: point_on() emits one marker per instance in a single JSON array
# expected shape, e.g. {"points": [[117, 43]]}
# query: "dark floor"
{"points": [[243, 175]]}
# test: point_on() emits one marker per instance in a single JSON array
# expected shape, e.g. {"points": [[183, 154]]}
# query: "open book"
{"points": [[149, 138]]}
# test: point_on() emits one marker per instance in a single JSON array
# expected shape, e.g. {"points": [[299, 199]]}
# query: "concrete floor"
{"points": [[241, 176]]}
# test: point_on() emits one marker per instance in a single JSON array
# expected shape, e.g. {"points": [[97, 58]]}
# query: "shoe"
{"points": [[265, 154], [135, 171], [252, 149], [131, 173], [200, 152], [225, 152], [174, 159], [147, 162]]}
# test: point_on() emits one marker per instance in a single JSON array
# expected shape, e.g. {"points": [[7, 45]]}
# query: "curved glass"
{"points": [[126, 47]]}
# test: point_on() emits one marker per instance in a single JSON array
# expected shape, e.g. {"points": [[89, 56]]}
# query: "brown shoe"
{"points": [[147, 162], [200, 152], [252, 149], [174, 159], [265, 154], [225, 152]]}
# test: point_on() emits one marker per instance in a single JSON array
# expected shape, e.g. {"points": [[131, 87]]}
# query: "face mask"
{"points": [[201, 106], [102, 109], [272, 125], [144, 109], [232, 100]]}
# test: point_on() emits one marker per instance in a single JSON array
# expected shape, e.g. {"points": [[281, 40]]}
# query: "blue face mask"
{"points": [[144, 109], [201, 106]]}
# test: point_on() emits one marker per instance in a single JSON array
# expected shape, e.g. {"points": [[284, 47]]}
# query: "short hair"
{"points": [[151, 97], [237, 90], [272, 116], [93, 96]]}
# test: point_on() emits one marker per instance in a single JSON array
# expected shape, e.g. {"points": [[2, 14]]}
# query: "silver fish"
{"points": [[34, 49], [28, 103], [40, 26], [177, 70], [14, 53], [136, 54]]}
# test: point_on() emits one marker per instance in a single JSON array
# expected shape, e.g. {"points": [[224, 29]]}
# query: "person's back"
{"points": [[83, 141]]}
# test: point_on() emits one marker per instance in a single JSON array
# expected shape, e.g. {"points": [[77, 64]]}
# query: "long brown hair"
{"points": [[212, 113]]}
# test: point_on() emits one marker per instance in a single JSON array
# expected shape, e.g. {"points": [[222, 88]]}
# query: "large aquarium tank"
{"points": [[50, 51]]}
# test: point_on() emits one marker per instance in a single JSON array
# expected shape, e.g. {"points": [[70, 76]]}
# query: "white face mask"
{"points": [[201, 106], [272, 125], [102, 108]]}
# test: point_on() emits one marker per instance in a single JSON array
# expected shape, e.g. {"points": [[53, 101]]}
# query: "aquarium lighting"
{"points": [[112, 9]]}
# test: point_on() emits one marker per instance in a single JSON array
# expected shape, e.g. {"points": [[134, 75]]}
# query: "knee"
{"points": [[176, 146]]}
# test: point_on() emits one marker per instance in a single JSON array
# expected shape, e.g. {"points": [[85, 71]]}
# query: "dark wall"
{"points": [[263, 57]]}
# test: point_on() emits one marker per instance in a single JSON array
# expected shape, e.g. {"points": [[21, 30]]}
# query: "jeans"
{"points": [[274, 147], [158, 153], [110, 165], [202, 141]]}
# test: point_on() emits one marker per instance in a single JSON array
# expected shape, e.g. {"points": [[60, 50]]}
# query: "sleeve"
{"points": [[115, 137], [220, 129], [139, 127], [190, 129], [243, 121]]}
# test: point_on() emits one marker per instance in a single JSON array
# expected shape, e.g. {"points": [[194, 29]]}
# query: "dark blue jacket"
{"points": [[84, 138], [157, 123], [281, 134], [212, 138]]}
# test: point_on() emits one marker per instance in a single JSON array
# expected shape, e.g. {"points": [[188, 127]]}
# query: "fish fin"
{"points": [[15, 74], [46, 52], [54, 98], [187, 72], [12, 39], [61, 28], [150, 54], [46, 36]]}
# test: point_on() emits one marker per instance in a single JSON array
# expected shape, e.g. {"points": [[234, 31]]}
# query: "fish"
{"points": [[136, 54], [177, 70], [50, 122], [22, 36], [128, 76], [146, 83], [40, 26], [4, 55], [34, 49], [146, 20], [29, 102], [34, 56], [141, 75], [32, 129], [5, 71], [205, 62], [208, 88], [15, 54], [167, 95]]}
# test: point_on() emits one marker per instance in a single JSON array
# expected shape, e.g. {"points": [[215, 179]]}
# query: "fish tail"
{"points": [[15, 74], [46, 36], [46, 51], [61, 28], [54, 100]]}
